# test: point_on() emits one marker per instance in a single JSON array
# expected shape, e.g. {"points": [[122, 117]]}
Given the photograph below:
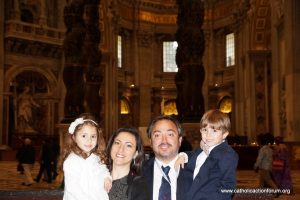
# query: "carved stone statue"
{"points": [[26, 104]]}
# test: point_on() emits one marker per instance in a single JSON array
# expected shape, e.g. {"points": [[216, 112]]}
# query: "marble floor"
{"points": [[11, 180]]}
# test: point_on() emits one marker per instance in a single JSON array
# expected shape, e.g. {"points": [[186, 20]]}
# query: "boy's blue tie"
{"points": [[165, 188]]}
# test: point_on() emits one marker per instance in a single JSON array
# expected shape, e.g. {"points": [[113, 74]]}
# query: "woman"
{"points": [[282, 176], [125, 158]]}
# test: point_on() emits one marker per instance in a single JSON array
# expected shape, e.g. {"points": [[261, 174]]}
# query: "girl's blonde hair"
{"points": [[71, 145]]}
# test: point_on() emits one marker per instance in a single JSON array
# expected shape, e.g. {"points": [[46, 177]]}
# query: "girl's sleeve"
{"points": [[105, 171], [74, 181]]}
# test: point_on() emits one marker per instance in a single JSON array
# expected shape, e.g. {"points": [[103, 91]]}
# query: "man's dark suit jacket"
{"points": [[137, 188], [148, 170], [217, 172]]}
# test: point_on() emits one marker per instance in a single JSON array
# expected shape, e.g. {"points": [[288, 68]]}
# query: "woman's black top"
{"points": [[130, 187]]}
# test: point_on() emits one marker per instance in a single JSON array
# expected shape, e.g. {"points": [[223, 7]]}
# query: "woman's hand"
{"points": [[107, 184]]}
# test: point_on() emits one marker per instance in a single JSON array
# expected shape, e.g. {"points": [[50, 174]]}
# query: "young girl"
{"points": [[85, 173]]}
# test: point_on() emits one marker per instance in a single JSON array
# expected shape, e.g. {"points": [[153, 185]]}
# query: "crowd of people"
{"points": [[118, 170], [47, 158]]}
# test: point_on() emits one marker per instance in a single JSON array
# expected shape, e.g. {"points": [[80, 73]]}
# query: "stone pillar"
{"points": [[291, 14], [190, 76], [260, 93], [43, 18], [2, 137], [145, 40], [15, 14]]}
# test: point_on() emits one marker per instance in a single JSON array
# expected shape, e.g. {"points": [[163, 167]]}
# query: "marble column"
{"points": [[43, 18], [15, 14], [2, 133]]}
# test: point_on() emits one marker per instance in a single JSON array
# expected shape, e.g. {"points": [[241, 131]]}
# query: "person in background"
{"points": [[125, 158], [163, 180], [185, 145], [46, 160], [83, 161], [282, 176], [55, 148], [212, 167], [27, 158], [18, 157], [263, 162]]}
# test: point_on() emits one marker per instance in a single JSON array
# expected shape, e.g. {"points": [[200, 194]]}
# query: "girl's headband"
{"points": [[77, 122]]}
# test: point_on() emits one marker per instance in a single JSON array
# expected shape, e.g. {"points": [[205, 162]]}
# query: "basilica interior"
{"points": [[127, 61]]}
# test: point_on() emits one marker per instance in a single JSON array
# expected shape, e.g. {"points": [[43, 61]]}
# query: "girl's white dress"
{"points": [[84, 178]]}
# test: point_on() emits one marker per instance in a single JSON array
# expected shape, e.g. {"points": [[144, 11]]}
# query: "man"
{"points": [[27, 158], [165, 134]]}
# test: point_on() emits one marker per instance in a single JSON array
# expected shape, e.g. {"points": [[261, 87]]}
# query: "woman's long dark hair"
{"points": [[136, 164]]}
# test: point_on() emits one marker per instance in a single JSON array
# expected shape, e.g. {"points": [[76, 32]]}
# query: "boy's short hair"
{"points": [[217, 119]]}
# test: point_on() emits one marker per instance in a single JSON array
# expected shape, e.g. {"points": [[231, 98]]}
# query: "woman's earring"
{"points": [[134, 157]]}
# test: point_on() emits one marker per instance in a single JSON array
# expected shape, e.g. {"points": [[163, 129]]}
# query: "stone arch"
{"points": [[15, 70], [45, 115]]}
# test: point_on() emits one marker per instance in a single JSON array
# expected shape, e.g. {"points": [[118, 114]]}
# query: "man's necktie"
{"points": [[165, 188]]}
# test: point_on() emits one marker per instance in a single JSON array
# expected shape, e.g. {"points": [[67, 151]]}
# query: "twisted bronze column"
{"points": [[190, 76]]}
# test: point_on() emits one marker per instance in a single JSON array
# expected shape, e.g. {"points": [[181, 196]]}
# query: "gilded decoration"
{"points": [[125, 108], [169, 108], [157, 18], [226, 104]]}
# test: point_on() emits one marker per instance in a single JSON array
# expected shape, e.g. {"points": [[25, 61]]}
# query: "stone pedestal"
{"points": [[62, 130], [192, 133]]}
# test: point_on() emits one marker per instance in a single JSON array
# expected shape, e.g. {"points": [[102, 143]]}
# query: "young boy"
{"points": [[212, 170]]}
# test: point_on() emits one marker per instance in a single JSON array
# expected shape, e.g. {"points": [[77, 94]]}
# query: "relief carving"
{"points": [[144, 39]]}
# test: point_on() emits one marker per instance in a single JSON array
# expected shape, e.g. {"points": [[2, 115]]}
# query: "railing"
{"points": [[35, 32], [31, 195]]}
